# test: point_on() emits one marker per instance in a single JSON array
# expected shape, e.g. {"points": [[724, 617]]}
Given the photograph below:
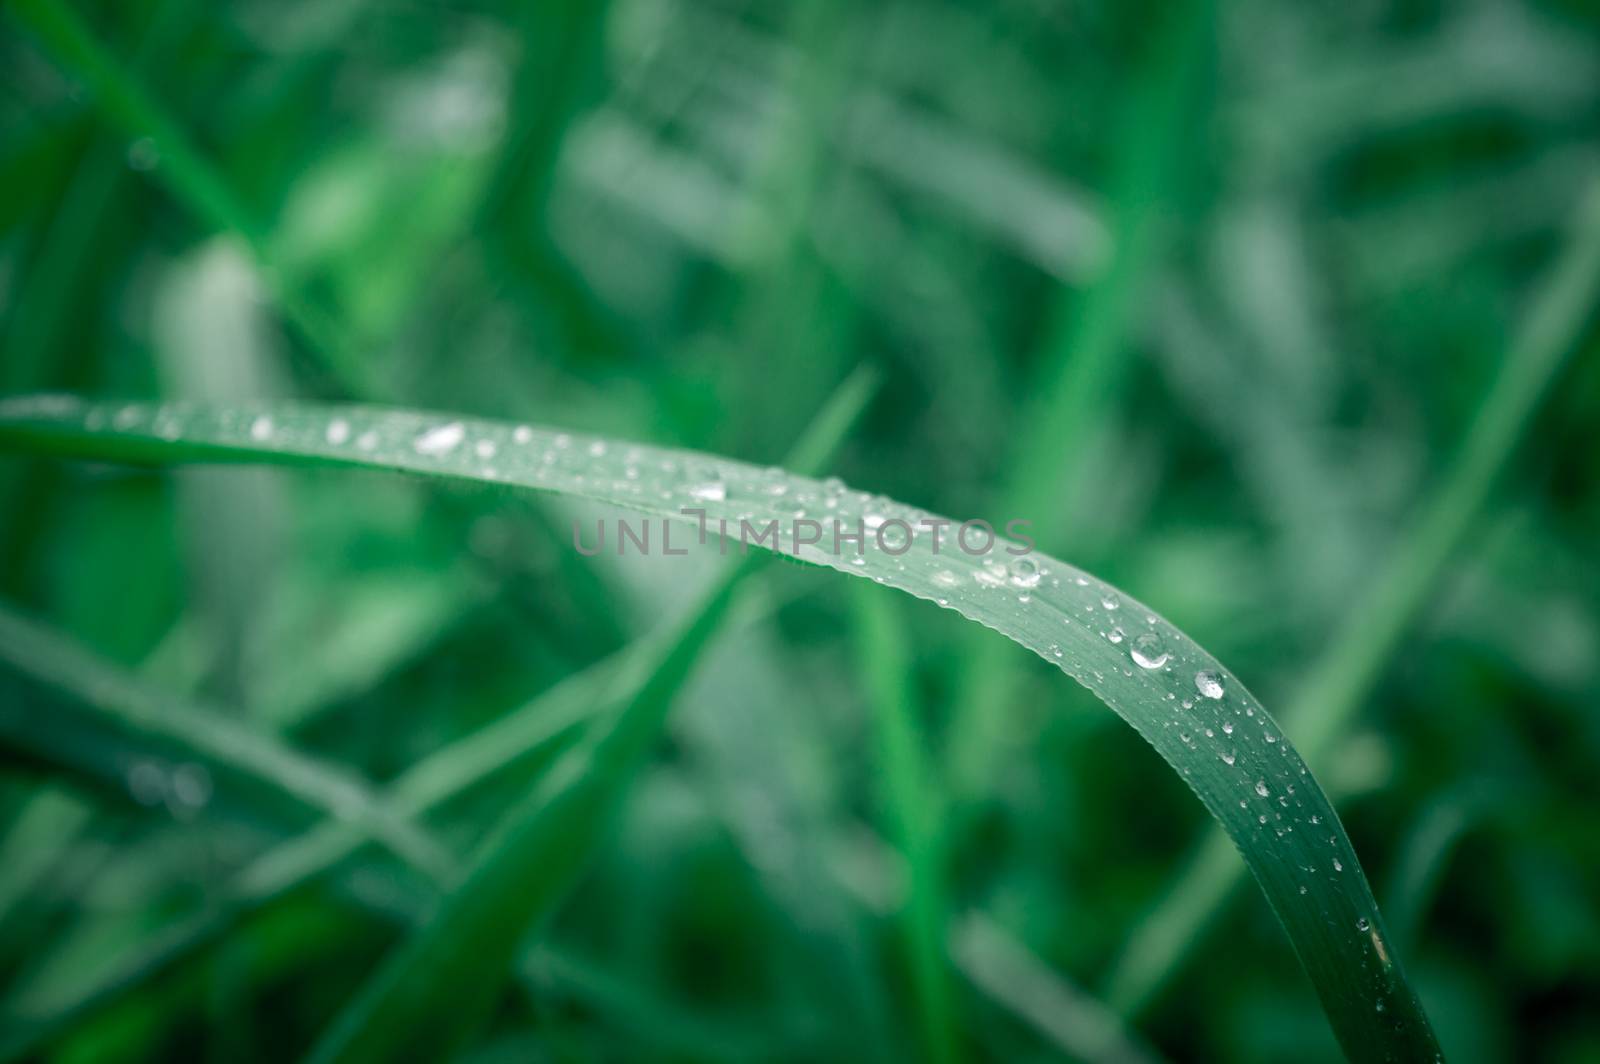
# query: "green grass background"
{"points": [[1212, 295]]}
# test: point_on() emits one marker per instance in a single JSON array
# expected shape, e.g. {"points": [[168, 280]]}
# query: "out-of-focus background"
{"points": [[1215, 293]]}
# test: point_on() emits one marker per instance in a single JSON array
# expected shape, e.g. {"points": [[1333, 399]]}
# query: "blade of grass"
{"points": [[107, 725], [912, 817], [1339, 682], [1195, 714]]}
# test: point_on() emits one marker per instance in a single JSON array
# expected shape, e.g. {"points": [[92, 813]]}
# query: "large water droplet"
{"points": [[261, 429], [1147, 651], [1025, 572], [1362, 924], [1208, 683], [1115, 635], [338, 431], [1261, 788], [441, 439]]}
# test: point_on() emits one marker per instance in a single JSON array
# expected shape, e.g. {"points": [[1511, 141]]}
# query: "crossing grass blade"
{"points": [[78, 714], [912, 817], [1197, 715]]}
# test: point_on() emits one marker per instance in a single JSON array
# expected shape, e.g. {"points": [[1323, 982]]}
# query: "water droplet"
{"points": [[1362, 924], [261, 429], [485, 448], [991, 573], [946, 578], [710, 491], [1025, 572], [1228, 757], [522, 434], [1109, 602], [368, 440], [1115, 635], [147, 782], [1337, 867], [191, 787], [1227, 727], [441, 439], [338, 431], [597, 448], [1208, 683], [1147, 651], [1261, 788]]}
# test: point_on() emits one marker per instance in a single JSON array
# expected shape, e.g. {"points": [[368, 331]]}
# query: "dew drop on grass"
{"points": [[1147, 651], [522, 434], [1228, 757], [1115, 635], [1337, 867], [147, 783], [191, 787], [367, 441], [1227, 727], [338, 431], [1025, 572], [990, 574], [1362, 924], [710, 491], [484, 448], [946, 578], [1261, 788], [261, 429], [1208, 683], [1109, 602], [441, 439]]}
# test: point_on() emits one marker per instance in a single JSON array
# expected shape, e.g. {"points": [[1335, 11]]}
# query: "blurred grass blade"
{"points": [[913, 819], [191, 179], [547, 723], [1341, 679], [104, 724], [1007, 972]]}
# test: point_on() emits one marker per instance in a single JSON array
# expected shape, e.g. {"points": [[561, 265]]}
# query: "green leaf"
{"points": [[1195, 713]]}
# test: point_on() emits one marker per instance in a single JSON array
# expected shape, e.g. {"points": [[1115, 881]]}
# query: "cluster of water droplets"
{"points": [[183, 789]]}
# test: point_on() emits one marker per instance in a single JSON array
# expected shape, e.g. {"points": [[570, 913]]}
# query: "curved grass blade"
{"points": [[1339, 681], [104, 724], [1196, 714]]}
